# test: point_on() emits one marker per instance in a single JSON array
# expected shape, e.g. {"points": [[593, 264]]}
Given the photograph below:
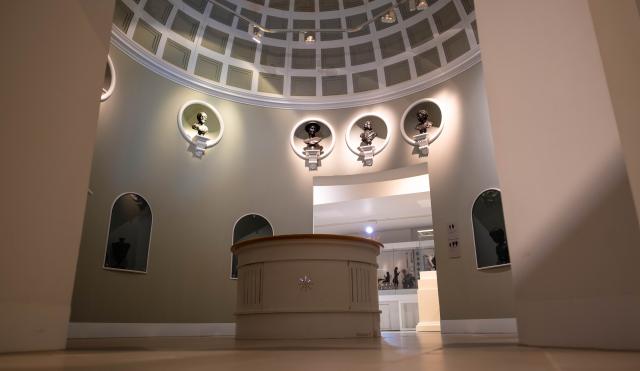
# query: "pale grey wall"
{"points": [[195, 202], [570, 217], [463, 168], [54, 56]]}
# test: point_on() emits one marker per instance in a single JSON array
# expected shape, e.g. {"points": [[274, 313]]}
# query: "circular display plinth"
{"points": [[307, 286], [357, 127], [109, 82], [188, 116], [298, 135], [410, 121]]}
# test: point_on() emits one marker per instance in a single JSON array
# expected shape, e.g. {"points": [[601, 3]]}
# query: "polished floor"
{"points": [[394, 351]]}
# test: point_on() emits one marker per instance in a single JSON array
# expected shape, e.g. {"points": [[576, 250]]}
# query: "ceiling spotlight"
{"points": [[389, 17], [369, 229], [422, 5], [256, 33], [308, 37]]}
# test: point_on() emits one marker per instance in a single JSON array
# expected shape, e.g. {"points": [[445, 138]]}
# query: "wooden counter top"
{"points": [[284, 237]]}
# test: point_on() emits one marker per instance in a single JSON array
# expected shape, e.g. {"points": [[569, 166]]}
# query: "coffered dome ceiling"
{"points": [[203, 45]]}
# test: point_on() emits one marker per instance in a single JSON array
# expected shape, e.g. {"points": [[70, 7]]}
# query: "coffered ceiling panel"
{"points": [[208, 46]]}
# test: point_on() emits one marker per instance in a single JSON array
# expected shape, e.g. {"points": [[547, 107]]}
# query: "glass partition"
{"points": [[399, 268]]}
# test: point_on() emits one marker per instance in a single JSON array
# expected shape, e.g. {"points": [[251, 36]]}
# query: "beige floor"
{"points": [[394, 351]]}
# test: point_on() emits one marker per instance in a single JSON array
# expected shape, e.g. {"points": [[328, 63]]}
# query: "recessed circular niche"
{"points": [[410, 121], [188, 116], [109, 82], [298, 135], [356, 128]]}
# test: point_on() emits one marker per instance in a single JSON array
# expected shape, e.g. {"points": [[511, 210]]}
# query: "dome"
{"points": [[208, 45]]}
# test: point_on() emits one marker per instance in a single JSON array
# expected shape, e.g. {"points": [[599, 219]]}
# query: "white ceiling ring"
{"points": [[433, 137], [298, 151], [354, 146], [187, 135], [112, 84]]}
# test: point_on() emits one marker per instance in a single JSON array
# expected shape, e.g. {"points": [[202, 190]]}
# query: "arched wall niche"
{"points": [[489, 231], [187, 116], [409, 120], [109, 82], [298, 135], [379, 125], [248, 227], [129, 234]]}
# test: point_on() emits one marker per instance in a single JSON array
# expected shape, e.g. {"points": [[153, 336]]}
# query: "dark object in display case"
{"points": [[492, 249], [201, 126], [387, 278], [129, 234], [502, 250], [369, 134], [395, 277], [423, 121], [119, 250], [408, 280]]}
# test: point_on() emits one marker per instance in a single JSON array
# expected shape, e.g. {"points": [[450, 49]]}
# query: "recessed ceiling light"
{"points": [[389, 17], [422, 5], [256, 33], [369, 229], [308, 37]]}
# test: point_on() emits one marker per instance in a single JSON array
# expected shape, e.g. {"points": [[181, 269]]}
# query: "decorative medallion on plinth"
{"points": [[201, 125], [424, 116], [367, 136], [305, 141]]}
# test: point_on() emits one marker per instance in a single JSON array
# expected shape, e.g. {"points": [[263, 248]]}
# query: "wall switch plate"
{"points": [[453, 241]]}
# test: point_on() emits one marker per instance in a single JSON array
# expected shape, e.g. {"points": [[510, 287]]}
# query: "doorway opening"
{"points": [[392, 207]]}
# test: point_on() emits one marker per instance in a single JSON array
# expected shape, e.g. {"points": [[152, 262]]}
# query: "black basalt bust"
{"points": [[312, 142], [423, 121], [369, 134]]}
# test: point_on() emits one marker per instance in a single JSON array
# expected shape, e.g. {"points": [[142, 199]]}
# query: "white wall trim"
{"points": [[85, 330], [480, 326]]}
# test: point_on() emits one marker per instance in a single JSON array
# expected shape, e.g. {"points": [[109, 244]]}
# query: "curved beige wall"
{"points": [[195, 202], [567, 195], [51, 76]]}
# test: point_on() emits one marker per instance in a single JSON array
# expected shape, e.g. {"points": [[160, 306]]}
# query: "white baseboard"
{"points": [[84, 330], [479, 326], [428, 326]]}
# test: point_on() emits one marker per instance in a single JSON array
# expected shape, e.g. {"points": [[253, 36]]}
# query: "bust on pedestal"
{"points": [[367, 150], [313, 149], [422, 139], [200, 140]]}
